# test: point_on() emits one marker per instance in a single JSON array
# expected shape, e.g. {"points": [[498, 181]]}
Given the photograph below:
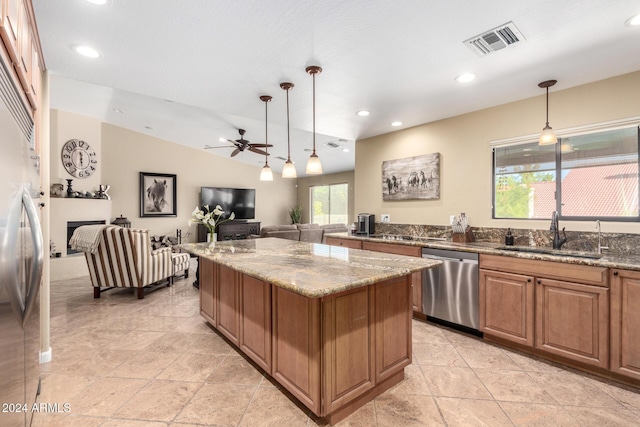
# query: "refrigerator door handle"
{"points": [[35, 272], [8, 255], [21, 308]]}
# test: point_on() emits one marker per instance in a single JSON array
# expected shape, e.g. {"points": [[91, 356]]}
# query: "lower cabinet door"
{"points": [[206, 285], [625, 323], [507, 306], [228, 309], [572, 321], [348, 334], [255, 321]]}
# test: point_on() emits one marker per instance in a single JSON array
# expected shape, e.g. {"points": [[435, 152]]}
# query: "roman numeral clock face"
{"points": [[79, 159]]}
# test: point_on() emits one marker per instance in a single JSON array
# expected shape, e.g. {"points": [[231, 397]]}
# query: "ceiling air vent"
{"points": [[281, 158], [332, 145], [496, 39]]}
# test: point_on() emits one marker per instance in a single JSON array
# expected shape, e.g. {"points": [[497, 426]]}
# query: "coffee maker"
{"points": [[366, 224]]}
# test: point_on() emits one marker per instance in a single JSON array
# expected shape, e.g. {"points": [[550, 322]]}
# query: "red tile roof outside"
{"points": [[605, 191]]}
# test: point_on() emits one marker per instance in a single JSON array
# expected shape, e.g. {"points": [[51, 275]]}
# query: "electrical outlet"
{"points": [[451, 219], [385, 217]]}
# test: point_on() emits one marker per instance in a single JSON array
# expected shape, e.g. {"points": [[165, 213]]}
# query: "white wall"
{"points": [[466, 159]]}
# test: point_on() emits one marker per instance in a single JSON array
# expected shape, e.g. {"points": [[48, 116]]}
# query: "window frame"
{"points": [[567, 133], [311, 187]]}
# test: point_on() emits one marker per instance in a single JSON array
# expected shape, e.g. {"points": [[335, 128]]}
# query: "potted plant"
{"points": [[209, 219], [296, 214]]}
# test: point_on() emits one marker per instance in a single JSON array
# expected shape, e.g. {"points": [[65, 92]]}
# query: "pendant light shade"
{"points": [[547, 137], [314, 167], [265, 173], [289, 170]]}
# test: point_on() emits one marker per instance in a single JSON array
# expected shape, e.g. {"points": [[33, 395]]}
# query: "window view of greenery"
{"points": [[329, 204], [598, 177]]}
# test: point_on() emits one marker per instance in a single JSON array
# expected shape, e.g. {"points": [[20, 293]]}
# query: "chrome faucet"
{"points": [[600, 247], [555, 229]]}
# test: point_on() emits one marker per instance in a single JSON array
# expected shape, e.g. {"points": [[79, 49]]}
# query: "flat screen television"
{"points": [[241, 201]]}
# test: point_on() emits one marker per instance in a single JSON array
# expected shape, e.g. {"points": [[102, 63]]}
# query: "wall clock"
{"points": [[79, 159]]}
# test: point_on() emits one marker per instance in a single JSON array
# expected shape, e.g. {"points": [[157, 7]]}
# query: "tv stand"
{"points": [[232, 230]]}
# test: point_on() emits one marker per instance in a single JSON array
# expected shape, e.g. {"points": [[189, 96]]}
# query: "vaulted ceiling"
{"points": [[192, 71]]}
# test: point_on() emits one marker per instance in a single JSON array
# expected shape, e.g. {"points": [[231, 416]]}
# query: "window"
{"points": [[598, 177], [329, 204]]}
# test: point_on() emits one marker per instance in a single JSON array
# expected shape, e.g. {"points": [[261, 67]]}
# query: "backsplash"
{"points": [[618, 243]]}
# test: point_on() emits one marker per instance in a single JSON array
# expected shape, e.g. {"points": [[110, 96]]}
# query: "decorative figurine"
{"points": [[70, 192]]}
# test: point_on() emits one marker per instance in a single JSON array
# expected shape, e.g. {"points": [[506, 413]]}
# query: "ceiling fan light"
{"points": [[548, 136], [314, 167], [289, 170], [266, 174]]}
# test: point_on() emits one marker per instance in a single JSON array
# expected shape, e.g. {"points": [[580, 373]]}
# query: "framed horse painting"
{"points": [[410, 178], [157, 194]]}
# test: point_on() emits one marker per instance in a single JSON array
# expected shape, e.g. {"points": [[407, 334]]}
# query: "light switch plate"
{"points": [[385, 217]]}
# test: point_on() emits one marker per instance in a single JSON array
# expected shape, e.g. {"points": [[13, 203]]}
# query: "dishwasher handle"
{"points": [[441, 258]]}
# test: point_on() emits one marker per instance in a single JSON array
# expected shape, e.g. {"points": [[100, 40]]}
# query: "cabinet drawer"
{"points": [[347, 243], [390, 248], [587, 274]]}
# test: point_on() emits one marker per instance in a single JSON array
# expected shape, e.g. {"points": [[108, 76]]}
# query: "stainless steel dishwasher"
{"points": [[450, 291]]}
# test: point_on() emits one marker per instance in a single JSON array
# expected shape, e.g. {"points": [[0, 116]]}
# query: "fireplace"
{"points": [[71, 227]]}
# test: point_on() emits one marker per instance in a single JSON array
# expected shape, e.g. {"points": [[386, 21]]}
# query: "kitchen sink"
{"points": [[546, 251]]}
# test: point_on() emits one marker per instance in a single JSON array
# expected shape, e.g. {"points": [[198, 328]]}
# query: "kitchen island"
{"points": [[332, 325]]}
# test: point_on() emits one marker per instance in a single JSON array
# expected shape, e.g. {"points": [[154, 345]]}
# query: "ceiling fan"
{"points": [[242, 144]]}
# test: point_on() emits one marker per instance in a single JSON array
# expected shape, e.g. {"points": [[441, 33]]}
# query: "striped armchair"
{"points": [[124, 258]]}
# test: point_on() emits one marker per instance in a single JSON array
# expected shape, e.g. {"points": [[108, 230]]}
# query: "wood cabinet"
{"points": [[346, 243], [232, 230], [625, 323], [572, 321], [206, 282], [507, 306], [9, 26], [570, 304], [416, 278], [333, 353]]}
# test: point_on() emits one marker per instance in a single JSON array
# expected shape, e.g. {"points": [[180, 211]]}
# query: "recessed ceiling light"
{"points": [[363, 113], [346, 150], [222, 139], [633, 21], [87, 51], [395, 124], [118, 111], [465, 78]]}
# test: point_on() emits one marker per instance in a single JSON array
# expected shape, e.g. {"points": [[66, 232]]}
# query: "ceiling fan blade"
{"points": [[236, 151], [261, 145], [235, 143], [256, 150], [225, 146]]}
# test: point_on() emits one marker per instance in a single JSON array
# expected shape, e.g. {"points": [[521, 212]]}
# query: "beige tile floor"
{"points": [[120, 361]]}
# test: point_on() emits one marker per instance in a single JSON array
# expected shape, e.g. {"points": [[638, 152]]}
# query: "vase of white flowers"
{"points": [[209, 219]]}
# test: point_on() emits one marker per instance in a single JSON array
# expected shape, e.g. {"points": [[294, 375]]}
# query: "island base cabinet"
{"points": [[255, 320], [206, 284], [625, 323], [507, 306], [296, 345], [227, 295], [572, 321]]}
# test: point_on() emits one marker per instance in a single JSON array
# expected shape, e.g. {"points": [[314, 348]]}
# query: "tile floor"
{"points": [[120, 361]]}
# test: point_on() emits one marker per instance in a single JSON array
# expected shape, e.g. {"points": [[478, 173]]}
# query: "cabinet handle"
{"points": [[615, 273], [529, 280], [538, 282]]}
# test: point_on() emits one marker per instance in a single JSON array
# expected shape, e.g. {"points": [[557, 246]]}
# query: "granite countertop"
{"points": [[310, 269], [607, 260]]}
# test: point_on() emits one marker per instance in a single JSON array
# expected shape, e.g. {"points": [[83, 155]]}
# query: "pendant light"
{"points": [[289, 170], [265, 173], [547, 137], [314, 167]]}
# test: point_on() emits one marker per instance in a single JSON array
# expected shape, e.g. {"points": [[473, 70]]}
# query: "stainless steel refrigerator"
{"points": [[21, 258]]}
